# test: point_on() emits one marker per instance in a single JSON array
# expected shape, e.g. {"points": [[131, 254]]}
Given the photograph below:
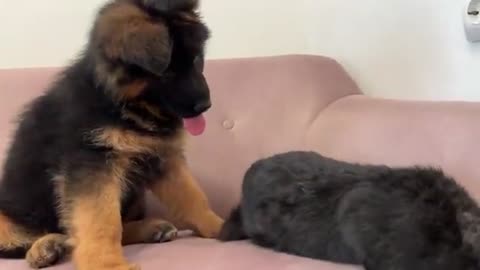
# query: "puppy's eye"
{"points": [[199, 63]]}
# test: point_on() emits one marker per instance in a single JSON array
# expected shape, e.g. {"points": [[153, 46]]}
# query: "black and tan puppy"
{"points": [[112, 126], [382, 218]]}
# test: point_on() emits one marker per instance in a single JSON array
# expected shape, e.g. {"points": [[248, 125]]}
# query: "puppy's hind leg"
{"points": [[14, 240], [39, 251]]}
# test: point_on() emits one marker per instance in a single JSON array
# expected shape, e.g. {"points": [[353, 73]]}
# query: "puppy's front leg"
{"points": [[94, 222], [186, 203]]}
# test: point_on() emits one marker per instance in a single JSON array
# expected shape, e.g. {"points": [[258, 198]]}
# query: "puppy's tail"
{"points": [[232, 229]]}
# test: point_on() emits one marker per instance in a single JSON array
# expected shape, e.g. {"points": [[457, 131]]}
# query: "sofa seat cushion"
{"points": [[204, 254]]}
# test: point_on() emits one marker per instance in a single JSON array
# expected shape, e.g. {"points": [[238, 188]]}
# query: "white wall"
{"points": [[399, 48], [395, 48]]}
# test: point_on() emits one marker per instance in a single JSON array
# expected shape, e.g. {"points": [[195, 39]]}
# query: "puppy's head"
{"points": [[152, 52], [186, 90]]}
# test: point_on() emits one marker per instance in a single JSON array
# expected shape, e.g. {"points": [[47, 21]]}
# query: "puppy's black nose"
{"points": [[202, 106]]}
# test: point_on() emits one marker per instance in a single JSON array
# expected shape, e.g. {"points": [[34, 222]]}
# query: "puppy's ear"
{"points": [[123, 32], [171, 5]]}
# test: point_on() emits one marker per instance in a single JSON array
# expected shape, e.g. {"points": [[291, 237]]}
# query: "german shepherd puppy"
{"points": [[111, 126], [379, 217]]}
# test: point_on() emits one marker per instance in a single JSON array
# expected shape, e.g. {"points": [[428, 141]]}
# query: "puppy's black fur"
{"points": [[383, 218]]}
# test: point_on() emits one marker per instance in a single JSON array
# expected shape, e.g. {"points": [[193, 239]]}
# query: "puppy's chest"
{"points": [[137, 157], [144, 168]]}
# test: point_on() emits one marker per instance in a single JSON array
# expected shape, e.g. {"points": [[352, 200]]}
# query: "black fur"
{"points": [[383, 218]]}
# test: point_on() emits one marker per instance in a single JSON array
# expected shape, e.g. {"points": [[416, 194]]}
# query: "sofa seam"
{"points": [[328, 105]]}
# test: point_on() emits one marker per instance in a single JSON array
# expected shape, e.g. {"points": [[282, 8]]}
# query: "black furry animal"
{"points": [[111, 126], [380, 217]]}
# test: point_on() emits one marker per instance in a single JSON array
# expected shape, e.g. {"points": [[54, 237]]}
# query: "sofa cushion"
{"points": [[402, 133], [201, 254]]}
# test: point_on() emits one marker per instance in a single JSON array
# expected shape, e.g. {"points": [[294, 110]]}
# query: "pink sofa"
{"points": [[274, 104]]}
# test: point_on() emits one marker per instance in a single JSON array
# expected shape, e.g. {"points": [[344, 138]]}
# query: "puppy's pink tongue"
{"points": [[195, 125]]}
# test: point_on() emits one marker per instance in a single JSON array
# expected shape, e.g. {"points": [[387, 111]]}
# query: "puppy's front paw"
{"points": [[209, 225], [148, 231], [159, 231]]}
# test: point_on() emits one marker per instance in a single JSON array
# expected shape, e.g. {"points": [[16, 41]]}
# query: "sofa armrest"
{"points": [[401, 133]]}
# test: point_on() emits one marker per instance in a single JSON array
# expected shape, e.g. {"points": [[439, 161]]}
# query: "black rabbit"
{"points": [[380, 217]]}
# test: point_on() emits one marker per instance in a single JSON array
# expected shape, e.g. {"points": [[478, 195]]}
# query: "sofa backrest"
{"points": [[17, 88], [260, 106]]}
